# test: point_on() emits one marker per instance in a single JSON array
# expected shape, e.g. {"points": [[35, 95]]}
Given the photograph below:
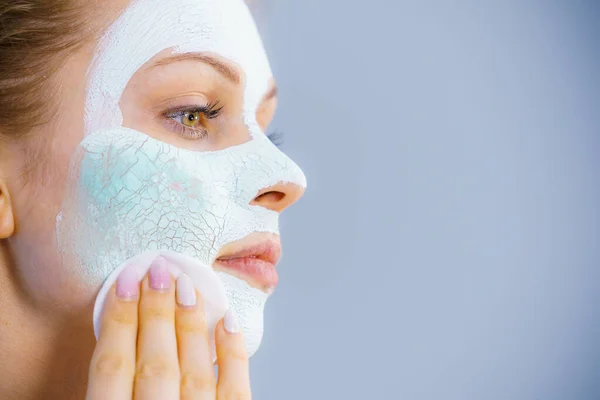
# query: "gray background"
{"points": [[448, 244]]}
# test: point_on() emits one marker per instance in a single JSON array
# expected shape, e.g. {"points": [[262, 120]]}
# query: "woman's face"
{"points": [[159, 144]]}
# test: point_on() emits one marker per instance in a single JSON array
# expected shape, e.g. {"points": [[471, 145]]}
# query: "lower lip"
{"points": [[258, 271]]}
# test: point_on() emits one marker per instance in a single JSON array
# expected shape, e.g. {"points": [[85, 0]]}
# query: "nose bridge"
{"points": [[266, 169]]}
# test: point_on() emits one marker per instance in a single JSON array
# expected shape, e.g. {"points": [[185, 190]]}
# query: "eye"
{"points": [[191, 121]]}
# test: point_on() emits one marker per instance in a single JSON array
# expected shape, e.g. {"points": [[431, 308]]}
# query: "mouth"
{"points": [[252, 259]]}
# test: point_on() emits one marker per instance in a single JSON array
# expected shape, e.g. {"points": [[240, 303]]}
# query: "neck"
{"points": [[45, 355]]}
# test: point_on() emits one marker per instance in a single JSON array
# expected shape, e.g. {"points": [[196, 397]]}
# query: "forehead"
{"points": [[148, 27]]}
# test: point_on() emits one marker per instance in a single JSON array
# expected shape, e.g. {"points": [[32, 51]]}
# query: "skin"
{"points": [[171, 359], [46, 337]]}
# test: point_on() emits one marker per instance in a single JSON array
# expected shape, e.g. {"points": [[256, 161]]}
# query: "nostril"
{"points": [[270, 197], [278, 197]]}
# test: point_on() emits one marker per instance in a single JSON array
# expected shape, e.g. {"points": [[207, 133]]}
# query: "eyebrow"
{"points": [[223, 68]]}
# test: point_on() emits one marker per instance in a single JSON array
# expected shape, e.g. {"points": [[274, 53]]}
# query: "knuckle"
{"points": [[237, 354], [157, 312], [157, 368], [123, 318], [111, 364], [203, 383]]}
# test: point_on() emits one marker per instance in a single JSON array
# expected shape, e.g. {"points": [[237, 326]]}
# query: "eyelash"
{"points": [[209, 111]]}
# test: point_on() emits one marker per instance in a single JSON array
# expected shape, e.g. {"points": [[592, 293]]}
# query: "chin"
{"points": [[249, 305]]}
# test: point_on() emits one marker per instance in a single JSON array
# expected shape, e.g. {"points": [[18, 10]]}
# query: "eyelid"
{"points": [[210, 110], [181, 101]]}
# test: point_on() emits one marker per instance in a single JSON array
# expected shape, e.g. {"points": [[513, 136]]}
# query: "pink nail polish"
{"points": [[128, 285], [185, 291], [160, 277], [231, 322]]}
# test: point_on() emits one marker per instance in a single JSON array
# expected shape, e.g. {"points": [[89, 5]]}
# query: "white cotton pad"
{"points": [[204, 278]]}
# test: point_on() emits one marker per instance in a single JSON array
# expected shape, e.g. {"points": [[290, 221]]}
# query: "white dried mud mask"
{"points": [[129, 193]]}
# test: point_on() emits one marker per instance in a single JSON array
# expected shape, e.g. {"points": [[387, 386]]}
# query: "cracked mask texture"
{"points": [[129, 193]]}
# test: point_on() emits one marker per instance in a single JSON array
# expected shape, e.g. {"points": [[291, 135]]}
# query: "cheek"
{"points": [[41, 176], [129, 194], [37, 195]]}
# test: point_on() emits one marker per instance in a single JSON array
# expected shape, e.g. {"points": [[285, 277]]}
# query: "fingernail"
{"points": [[186, 294], [128, 285], [231, 323], [160, 278]]}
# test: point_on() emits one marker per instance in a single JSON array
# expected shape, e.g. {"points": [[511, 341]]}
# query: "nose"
{"points": [[278, 197]]}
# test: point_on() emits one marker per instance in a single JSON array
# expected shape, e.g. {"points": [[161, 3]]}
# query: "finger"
{"points": [[232, 359], [195, 359], [113, 362], [157, 369]]}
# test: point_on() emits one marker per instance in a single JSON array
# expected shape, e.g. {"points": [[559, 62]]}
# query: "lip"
{"points": [[252, 259]]}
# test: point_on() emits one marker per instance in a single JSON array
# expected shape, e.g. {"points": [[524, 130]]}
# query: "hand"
{"points": [[153, 344]]}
